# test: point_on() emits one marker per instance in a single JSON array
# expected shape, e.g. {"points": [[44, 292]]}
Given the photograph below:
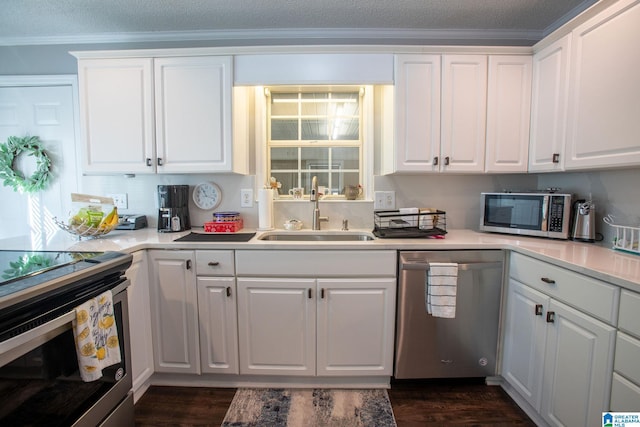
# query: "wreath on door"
{"points": [[31, 146]]}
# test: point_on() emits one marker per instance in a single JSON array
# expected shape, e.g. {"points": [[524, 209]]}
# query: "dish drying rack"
{"points": [[393, 224], [627, 238]]}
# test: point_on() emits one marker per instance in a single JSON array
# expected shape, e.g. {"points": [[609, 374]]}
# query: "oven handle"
{"points": [[467, 266], [15, 347]]}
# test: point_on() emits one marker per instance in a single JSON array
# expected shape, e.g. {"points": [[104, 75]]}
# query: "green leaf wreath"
{"points": [[32, 146]]}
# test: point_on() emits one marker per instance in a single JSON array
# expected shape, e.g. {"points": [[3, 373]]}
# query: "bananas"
{"points": [[109, 221]]}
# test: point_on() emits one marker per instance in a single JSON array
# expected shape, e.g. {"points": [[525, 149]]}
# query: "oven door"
{"points": [[40, 383]]}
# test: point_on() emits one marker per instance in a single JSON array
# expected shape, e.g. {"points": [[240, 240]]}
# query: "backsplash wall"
{"points": [[614, 192]]}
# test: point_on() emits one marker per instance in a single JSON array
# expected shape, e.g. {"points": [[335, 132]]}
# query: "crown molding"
{"points": [[296, 36]]}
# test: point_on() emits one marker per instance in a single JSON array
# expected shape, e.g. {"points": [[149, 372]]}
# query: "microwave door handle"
{"points": [[545, 214]]}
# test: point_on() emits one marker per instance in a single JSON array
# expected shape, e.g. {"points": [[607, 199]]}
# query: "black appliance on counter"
{"points": [[173, 208], [40, 383]]}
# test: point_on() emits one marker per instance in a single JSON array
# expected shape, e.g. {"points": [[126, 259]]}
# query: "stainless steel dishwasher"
{"points": [[464, 346]]}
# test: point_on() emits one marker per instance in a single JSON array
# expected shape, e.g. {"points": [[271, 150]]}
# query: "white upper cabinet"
{"points": [[416, 139], [116, 107], [549, 106], [464, 113], [161, 115], [508, 113], [604, 102]]}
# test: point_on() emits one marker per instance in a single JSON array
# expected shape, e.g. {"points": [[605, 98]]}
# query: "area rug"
{"points": [[310, 407]]}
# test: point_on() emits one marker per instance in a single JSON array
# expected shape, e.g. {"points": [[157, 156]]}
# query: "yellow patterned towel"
{"points": [[96, 336]]}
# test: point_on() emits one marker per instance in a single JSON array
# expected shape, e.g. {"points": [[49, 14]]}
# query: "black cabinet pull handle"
{"points": [[149, 161], [435, 161], [538, 310], [446, 161], [547, 280], [551, 316], [213, 263], [556, 158], [322, 293], [228, 291], [188, 264], [309, 293], [159, 161]]}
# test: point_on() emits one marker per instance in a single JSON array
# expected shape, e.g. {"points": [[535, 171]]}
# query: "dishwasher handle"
{"points": [[466, 266]]}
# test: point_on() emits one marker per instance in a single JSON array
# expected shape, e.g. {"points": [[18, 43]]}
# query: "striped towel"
{"points": [[96, 336], [440, 289]]}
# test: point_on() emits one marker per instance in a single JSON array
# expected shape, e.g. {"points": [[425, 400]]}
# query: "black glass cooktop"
{"points": [[20, 269]]}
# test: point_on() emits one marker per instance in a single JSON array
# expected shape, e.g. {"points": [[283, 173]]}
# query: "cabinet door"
{"points": [[140, 323], [417, 112], [604, 103], [578, 368], [524, 340], [174, 312], [218, 324], [355, 326], [276, 326], [464, 113], [508, 113], [116, 108], [193, 114], [550, 91]]}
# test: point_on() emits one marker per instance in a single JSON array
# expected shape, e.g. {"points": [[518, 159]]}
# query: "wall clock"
{"points": [[207, 195]]}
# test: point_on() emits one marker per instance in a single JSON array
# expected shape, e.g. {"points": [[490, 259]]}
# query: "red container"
{"points": [[223, 227]]}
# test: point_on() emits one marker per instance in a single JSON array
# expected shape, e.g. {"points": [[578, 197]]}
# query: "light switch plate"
{"points": [[119, 200]]}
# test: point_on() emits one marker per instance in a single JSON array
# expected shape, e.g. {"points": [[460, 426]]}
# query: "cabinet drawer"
{"points": [[590, 295], [215, 263], [629, 319], [627, 357], [625, 396], [316, 263]]}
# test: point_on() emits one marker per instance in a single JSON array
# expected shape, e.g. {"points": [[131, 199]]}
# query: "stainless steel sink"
{"points": [[301, 236]]}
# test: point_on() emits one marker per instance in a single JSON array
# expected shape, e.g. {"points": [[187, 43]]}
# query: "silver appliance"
{"points": [[40, 383], [465, 346], [532, 213], [584, 221]]}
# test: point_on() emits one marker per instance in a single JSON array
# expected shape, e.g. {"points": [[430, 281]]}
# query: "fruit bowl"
{"points": [[84, 230]]}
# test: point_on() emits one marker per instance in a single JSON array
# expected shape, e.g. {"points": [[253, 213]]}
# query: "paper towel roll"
{"points": [[265, 209]]}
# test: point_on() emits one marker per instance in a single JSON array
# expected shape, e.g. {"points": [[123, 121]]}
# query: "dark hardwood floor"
{"points": [[415, 403]]}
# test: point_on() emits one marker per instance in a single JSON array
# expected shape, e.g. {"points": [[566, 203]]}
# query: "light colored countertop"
{"points": [[602, 263]]}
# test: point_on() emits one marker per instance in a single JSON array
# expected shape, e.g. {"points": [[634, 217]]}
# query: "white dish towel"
{"points": [[441, 288], [96, 336]]}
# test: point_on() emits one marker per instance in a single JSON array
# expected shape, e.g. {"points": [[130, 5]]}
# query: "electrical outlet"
{"points": [[119, 200], [246, 198], [390, 200]]}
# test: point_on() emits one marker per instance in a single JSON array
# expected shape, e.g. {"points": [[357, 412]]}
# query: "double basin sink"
{"points": [[317, 236]]}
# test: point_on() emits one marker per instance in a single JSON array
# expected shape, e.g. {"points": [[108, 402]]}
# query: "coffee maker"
{"points": [[173, 208], [584, 228]]}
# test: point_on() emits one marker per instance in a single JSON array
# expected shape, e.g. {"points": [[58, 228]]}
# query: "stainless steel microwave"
{"points": [[527, 213]]}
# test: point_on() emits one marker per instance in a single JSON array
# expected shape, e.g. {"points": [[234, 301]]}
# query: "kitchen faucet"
{"points": [[315, 197]]}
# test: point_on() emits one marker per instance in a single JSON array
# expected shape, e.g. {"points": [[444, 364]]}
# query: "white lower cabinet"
{"points": [[140, 324], [625, 390], [174, 311], [324, 327], [557, 358]]}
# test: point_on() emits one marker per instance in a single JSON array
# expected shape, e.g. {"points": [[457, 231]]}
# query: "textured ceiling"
{"points": [[83, 21]]}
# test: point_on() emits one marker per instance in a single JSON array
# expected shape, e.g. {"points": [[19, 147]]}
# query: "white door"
{"points": [[550, 91], [464, 113], [523, 348], [43, 107], [276, 326], [508, 111], [417, 112], [578, 368], [218, 324], [174, 311], [355, 326]]}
